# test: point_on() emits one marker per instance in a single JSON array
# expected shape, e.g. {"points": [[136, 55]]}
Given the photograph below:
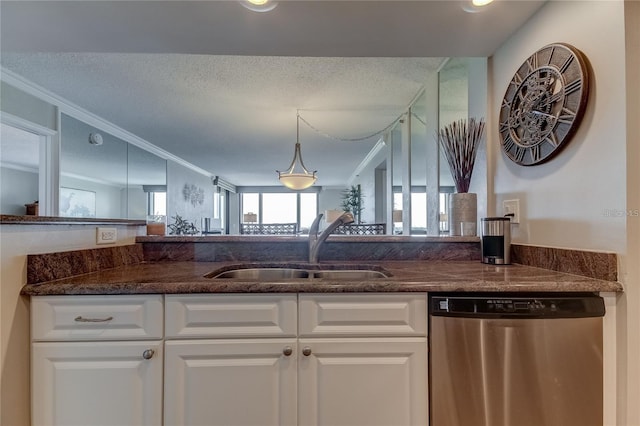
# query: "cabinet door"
{"points": [[367, 381], [97, 383], [230, 382]]}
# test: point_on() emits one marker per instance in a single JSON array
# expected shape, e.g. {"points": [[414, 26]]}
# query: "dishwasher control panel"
{"points": [[526, 307], [510, 305]]}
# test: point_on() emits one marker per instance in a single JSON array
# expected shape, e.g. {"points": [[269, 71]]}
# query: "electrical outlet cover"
{"points": [[511, 208], [106, 235]]}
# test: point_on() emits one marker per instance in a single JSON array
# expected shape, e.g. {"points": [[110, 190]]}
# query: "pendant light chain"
{"points": [[298, 126], [379, 132], [298, 152], [329, 136]]}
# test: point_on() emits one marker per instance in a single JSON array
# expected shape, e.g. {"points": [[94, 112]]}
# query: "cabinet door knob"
{"points": [[306, 351], [287, 351], [148, 354]]}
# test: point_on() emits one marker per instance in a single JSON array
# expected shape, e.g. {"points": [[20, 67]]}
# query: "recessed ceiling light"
{"points": [[480, 3], [475, 6], [259, 5]]}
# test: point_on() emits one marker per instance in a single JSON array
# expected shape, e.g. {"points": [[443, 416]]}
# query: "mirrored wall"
{"points": [[453, 105], [105, 177], [20, 169], [420, 176]]}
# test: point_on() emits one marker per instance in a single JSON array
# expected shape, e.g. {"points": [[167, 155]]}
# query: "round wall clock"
{"points": [[544, 104]]}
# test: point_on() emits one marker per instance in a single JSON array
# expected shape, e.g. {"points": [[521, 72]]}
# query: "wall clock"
{"points": [[544, 104]]}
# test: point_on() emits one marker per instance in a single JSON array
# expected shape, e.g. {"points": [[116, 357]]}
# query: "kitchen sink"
{"points": [[276, 272], [264, 274], [348, 274]]}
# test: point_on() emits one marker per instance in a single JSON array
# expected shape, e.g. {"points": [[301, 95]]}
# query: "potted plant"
{"points": [[352, 202], [459, 141], [182, 227]]}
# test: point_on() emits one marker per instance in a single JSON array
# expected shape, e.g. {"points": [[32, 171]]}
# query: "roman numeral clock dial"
{"points": [[544, 104]]}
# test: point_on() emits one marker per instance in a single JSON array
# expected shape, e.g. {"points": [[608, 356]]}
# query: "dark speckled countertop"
{"points": [[406, 276]]}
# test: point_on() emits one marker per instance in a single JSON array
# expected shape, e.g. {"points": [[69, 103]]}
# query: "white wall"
{"points": [[629, 328], [17, 188], [109, 199], [234, 213], [478, 108], [367, 181], [179, 176], [136, 202], [564, 202], [330, 199], [23, 105], [18, 241]]}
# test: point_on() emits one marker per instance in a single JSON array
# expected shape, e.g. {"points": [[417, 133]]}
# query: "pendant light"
{"points": [[297, 180]]}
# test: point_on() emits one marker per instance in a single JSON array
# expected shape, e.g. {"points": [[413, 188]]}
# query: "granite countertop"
{"points": [[6, 219], [406, 276]]}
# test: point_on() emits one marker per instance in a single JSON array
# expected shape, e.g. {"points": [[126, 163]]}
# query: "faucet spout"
{"points": [[316, 241]]}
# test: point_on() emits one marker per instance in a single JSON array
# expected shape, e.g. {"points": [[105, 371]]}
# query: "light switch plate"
{"points": [[106, 235], [511, 208]]}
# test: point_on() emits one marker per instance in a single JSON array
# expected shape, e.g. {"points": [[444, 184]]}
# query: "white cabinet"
{"points": [[231, 359], [82, 375], [231, 315], [97, 383], [348, 315], [363, 381], [345, 379], [56, 318], [230, 382], [355, 360]]}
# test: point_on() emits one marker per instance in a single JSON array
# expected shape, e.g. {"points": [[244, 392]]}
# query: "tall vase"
{"points": [[463, 208]]}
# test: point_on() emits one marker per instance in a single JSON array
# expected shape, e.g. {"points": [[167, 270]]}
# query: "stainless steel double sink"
{"points": [[257, 272]]}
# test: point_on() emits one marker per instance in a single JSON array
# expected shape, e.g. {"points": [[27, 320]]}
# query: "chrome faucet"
{"points": [[315, 240]]}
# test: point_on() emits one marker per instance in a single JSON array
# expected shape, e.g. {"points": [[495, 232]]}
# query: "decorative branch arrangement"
{"points": [[459, 142]]}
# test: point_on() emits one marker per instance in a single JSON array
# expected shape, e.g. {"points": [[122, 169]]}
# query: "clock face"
{"points": [[544, 104]]}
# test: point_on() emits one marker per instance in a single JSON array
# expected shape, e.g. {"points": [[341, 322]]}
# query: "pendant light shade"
{"points": [[297, 177]]}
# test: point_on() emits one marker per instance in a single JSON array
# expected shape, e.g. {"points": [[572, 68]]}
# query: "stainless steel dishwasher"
{"points": [[515, 360]]}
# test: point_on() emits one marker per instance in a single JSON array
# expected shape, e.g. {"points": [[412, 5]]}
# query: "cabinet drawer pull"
{"points": [[287, 351], [306, 351], [81, 319], [148, 354]]}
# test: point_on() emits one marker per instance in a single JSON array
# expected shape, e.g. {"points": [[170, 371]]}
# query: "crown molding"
{"points": [[365, 162], [21, 123]]}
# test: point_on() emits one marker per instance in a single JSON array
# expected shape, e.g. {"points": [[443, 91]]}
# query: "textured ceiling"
{"points": [[219, 86]]}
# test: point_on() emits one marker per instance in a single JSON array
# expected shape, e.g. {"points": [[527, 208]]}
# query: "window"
{"points": [[250, 206], [308, 210], [280, 207], [444, 208], [157, 203], [418, 211]]}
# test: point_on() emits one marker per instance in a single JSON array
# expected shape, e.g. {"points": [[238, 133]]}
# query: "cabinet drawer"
{"points": [[231, 315], [363, 315], [96, 317]]}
